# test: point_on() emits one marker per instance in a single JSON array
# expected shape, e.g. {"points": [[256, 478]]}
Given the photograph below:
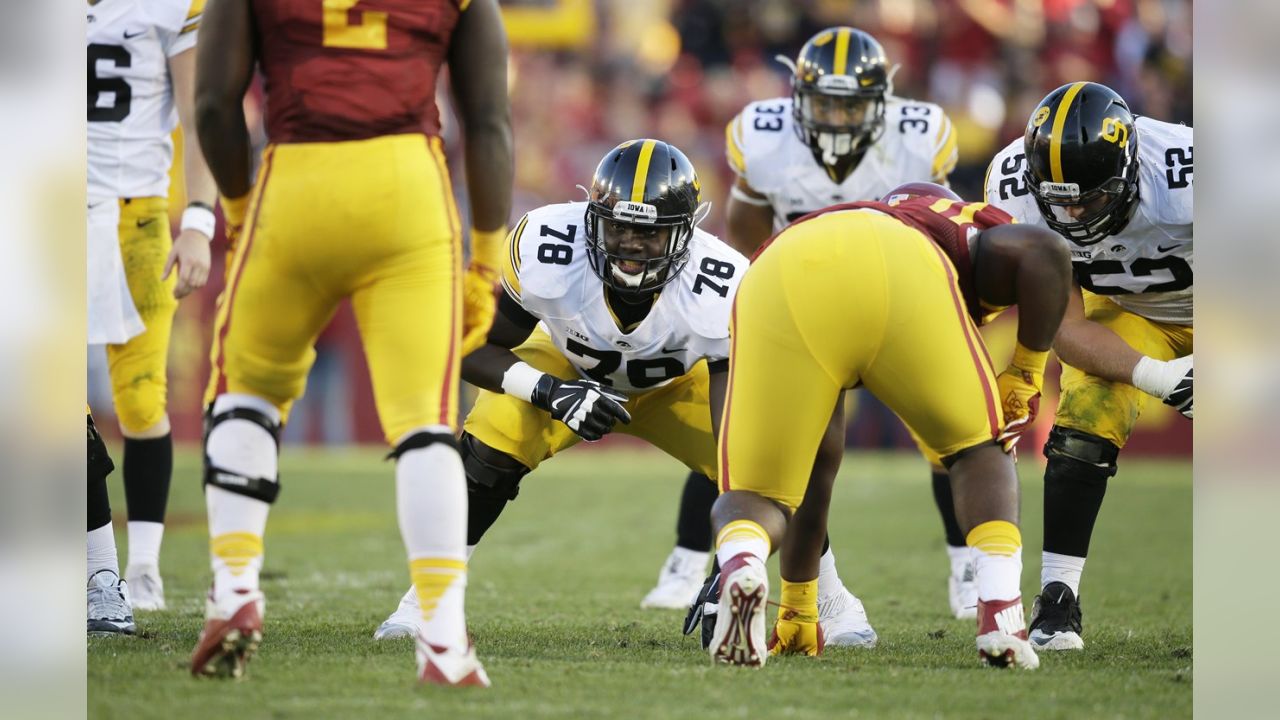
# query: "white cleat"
{"points": [[962, 591], [739, 636], [679, 580], [108, 606], [844, 620], [405, 622], [146, 589], [454, 668]]}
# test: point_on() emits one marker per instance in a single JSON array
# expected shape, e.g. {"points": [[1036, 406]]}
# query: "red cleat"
{"points": [[441, 666], [1002, 635], [232, 632]]}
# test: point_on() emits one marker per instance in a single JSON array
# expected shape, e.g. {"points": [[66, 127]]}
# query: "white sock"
{"points": [[144, 542], [431, 504], [102, 551], [741, 536], [238, 522], [829, 581], [959, 559], [1061, 568], [999, 577]]}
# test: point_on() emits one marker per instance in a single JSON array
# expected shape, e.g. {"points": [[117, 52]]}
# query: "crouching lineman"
{"points": [[352, 200], [1120, 189], [635, 301], [841, 136], [886, 295]]}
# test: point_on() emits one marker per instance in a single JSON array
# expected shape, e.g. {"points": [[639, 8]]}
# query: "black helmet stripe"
{"points": [[642, 171], [1059, 124]]}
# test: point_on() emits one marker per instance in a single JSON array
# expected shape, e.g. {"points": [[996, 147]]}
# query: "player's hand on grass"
{"points": [[796, 634], [589, 408]]}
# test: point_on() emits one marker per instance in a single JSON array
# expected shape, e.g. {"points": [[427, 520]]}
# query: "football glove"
{"points": [[478, 305], [705, 604], [1019, 386], [587, 407], [796, 634], [1170, 381]]}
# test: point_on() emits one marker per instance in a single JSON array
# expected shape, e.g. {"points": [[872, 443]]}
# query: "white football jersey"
{"points": [[918, 145], [547, 271], [1147, 268], [131, 107]]}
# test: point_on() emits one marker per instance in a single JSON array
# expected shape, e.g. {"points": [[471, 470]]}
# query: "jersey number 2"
{"points": [[360, 30]]}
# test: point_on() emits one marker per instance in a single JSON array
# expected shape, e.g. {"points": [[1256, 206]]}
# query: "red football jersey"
{"points": [[352, 69], [949, 224]]}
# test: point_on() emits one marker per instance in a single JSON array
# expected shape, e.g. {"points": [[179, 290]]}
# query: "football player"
{"points": [[352, 200], [888, 296], [110, 611], [635, 304], [1119, 188], [841, 136], [141, 83]]}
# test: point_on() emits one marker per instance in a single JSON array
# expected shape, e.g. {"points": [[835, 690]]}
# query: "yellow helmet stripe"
{"points": [[642, 170], [842, 52], [1060, 121]]}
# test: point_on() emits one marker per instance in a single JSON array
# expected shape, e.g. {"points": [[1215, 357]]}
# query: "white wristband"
{"points": [[520, 379], [200, 219], [1149, 376]]}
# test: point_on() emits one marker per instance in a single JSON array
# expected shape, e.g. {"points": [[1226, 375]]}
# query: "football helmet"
{"points": [[909, 190], [1082, 153], [838, 87], [642, 188]]}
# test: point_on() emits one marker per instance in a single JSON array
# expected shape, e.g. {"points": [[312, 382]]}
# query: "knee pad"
{"points": [[141, 404], [1068, 444], [490, 474], [265, 489], [422, 439], [99, 460]]}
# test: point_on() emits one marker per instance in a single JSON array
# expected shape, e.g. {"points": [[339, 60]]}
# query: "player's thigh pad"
{"points": [[676, 418], [1111, 409], [138, 368], [515, 427]]}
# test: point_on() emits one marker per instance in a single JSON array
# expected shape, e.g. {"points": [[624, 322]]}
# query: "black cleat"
{"points": [[1055, 619]]}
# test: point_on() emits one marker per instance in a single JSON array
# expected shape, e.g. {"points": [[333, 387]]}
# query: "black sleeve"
{"points": [[514, 312]]}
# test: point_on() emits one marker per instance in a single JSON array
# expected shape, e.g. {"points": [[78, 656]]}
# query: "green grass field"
{"points": [[553, 604]]}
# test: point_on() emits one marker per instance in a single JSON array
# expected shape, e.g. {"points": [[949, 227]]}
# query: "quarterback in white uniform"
{"points": [[842, 136], [141, 65], [614, 311], [1120, 190]]}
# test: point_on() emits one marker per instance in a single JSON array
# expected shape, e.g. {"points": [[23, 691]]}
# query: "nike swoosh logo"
{"points": [[673, 350], [127, 36], [555, 404], [143, 222], [1167, 249]]}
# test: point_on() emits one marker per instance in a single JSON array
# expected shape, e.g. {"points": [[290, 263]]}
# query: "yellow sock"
{"points": [[996, 537], [742, 536], [432, 577], [236, 550]]}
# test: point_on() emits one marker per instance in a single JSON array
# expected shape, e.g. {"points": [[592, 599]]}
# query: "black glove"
{"points": [[587, 407], [1180, 397], [703, 609]]}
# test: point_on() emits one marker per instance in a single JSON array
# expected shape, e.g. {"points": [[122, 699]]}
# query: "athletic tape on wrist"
{"points": [[200, 218]]}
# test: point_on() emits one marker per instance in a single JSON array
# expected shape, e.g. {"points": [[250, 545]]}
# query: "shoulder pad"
{"points": [[761, 132], [926, 133], [1166, 176], [545, 256], [1006, 188], [709, 311]]}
